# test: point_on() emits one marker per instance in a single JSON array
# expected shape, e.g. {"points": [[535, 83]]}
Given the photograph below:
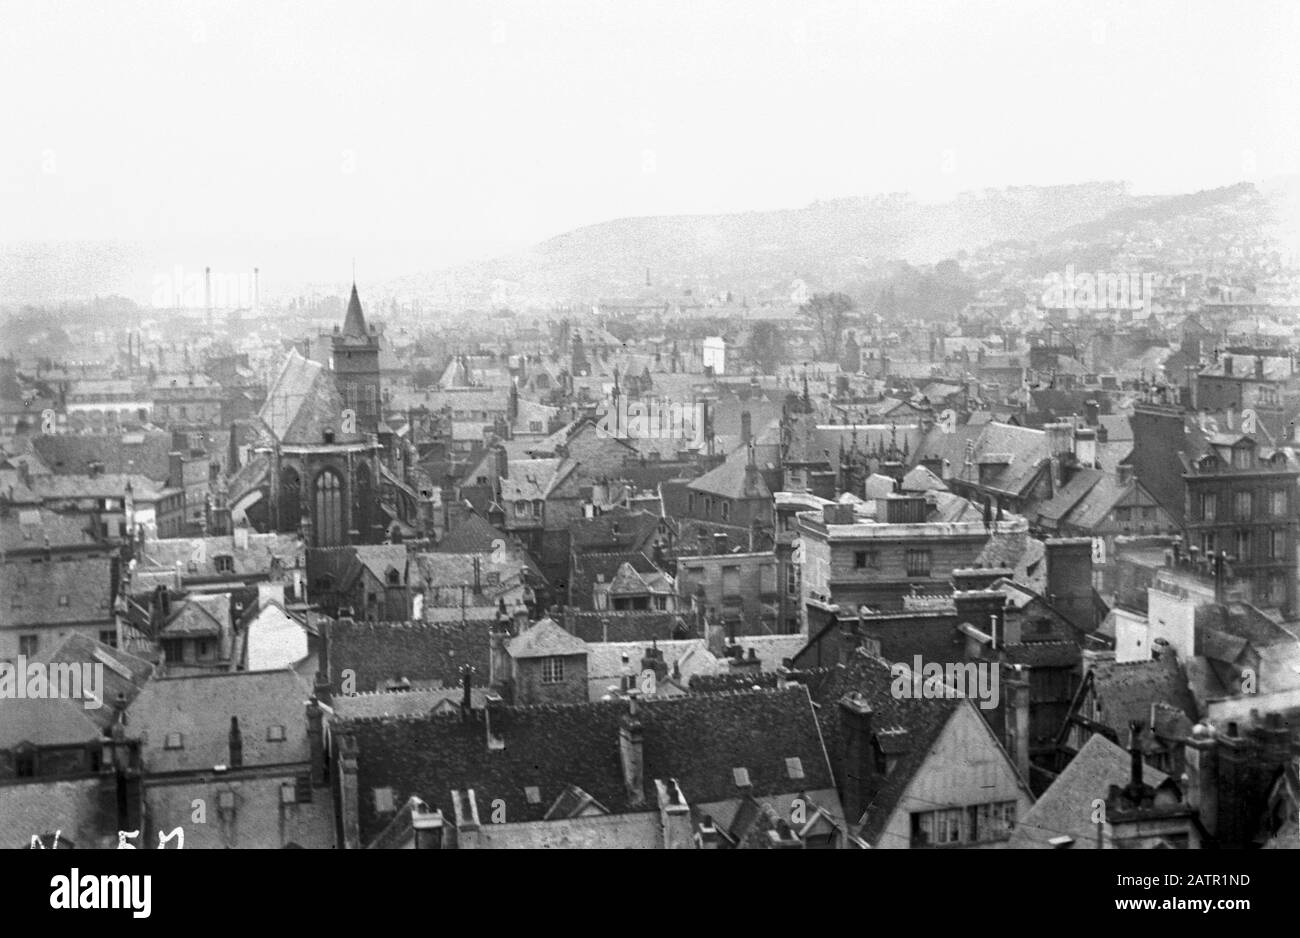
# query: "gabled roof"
{"points": [[545, 639], [922, 719], [1065, 809], [378, 652], [697, 739], [733, 480], [303, 403], [1125, 691], [200, 708]]}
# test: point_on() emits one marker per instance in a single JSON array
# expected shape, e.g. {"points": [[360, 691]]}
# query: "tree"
{"points": [[829, 312], [765, 346]]}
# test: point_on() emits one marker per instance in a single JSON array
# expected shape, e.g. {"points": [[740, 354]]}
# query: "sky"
{"points": [[412, 135]]}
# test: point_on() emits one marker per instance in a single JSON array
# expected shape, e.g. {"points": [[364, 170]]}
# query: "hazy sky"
{"points": [[473, 126]]}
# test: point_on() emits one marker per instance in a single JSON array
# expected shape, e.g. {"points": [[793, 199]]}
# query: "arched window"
{"points": [[290, 500], [329, 509]]}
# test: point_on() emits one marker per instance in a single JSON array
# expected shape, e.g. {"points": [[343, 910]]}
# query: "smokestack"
{"points": [[257, 296], [207, 289]]}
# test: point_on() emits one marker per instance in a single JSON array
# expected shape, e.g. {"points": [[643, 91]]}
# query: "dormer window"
{"points": [[224, 563], [394, 578]]}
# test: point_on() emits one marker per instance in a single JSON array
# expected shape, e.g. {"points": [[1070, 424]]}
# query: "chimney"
{"points": [[478, 575], [1092, 410], [983, 609], [746, 427], [236, 744], [1227, 365], [176, 469], [631, 754], [859, 758], [1201, 769], [674, 816], [316, 741], [257, 293], [1069, 580], [1085, 446], [468, 826], [1259, 367], [499, 669], [427, 827], [207, 289]]}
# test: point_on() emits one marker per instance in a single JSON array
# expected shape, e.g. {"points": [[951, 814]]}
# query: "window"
{"points": [[865, 560], [1279, 504], [552, 670], [918, 563], [534, 426], [108, 637], [1242, 505], [225, 563], [383, 800], [1242, 457], [28, 644], [275, 733], [991, 821], [1207, 543], [1277, 544], [725, 507], [931, 828], [1243, 545], [1209, 502], [523, 509], [174, 741], [978, 823]]}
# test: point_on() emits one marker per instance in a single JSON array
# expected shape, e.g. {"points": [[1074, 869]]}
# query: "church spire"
{"points": [[354, 323]]}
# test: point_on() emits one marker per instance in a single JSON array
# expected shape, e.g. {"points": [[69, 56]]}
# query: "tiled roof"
{"points": [[922, 718], [254, 559], [732, 480], [378, 652], [1065, 809], [29, 528], [63, 591], [417, 701], [200, 708], [697, 739], [145, 453], [472, 534]]}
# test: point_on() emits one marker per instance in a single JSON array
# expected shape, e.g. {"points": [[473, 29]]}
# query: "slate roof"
{"points": [[923, 720], [472, 534], [377, 652], [49, 722], [145, 453], [354, 323], [302, 403], [413, 702], [1065, 808], [200, 707], [253, 560], [697, 739], [729, 480], [1125, 691], [202, 615], [544, 639], [624, 626]]}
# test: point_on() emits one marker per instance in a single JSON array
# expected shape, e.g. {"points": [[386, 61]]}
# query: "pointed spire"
{"points": [[354, 323]]}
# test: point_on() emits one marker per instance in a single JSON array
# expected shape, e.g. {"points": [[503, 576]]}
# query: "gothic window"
{"points": [[329, 509]]}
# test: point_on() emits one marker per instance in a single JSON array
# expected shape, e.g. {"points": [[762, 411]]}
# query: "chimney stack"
{"points": [[859, 757], [236, 744], [631, 754]]}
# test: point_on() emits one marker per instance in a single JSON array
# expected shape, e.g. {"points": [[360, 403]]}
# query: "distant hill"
{"points": [[827, 245]]}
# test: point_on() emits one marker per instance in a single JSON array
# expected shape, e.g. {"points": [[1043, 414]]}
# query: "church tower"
{"points": [[356, 367]]}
